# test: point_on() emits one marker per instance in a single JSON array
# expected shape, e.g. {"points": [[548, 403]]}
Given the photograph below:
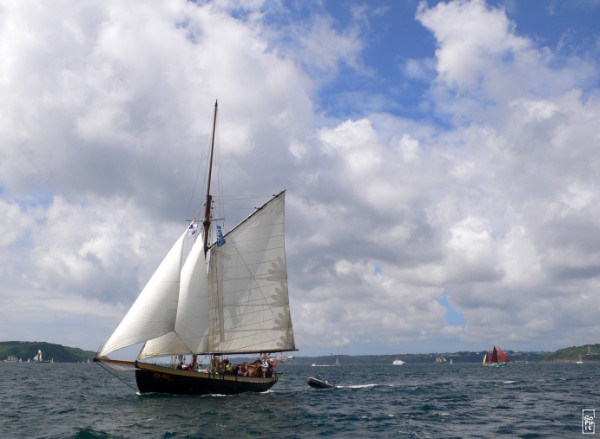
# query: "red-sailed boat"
{"points": [[498, 358]]}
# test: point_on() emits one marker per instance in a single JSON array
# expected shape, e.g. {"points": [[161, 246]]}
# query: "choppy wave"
{"points": [[83, 401]]}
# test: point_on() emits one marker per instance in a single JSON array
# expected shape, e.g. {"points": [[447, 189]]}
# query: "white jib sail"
{"points": [[192, 319], [153, 312], [191, 323], [248, 281]]}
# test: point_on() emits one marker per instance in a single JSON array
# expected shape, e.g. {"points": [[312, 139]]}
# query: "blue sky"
{"points": [[440, 159]]}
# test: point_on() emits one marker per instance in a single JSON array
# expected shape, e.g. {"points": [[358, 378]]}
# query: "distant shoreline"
{"points": [[23, 351], [589, 353]]}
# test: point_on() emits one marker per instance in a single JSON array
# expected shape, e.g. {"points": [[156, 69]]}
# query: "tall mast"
{"points": [[206, 222]]}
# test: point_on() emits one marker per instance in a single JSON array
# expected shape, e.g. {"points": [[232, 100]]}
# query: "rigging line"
{"points": [[219, 182], [99, 363], [231, 198], [204, 154]]}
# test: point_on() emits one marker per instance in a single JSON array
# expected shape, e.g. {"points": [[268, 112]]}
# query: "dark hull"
{"points": [[159, 379], [318, 384]]}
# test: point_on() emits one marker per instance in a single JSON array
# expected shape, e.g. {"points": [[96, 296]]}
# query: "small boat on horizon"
{"points": [[337, 364], [497, 359], [397, 362], [39, 358], [285, 358]]}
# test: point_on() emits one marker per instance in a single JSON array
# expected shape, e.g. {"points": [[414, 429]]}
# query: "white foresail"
{"points": [[193, 312], [168, 344], [191, 322], [153, 313], [248, 282]]}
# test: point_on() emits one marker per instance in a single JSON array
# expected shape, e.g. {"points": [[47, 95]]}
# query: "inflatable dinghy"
{"points": [[319, 384]]}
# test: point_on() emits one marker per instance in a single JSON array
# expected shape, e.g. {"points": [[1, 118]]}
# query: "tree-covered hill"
{"points": [[589, 352], [26, 350]]}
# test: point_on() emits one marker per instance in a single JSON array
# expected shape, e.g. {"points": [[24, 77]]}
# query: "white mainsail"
{"points": [[153, 313], [248, 282]]}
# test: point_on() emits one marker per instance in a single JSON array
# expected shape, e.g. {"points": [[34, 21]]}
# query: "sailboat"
{"points": [[38, 357], [497, 359], [580, 361], [239, 305]]}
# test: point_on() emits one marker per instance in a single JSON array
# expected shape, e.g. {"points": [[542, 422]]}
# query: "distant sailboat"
{"points": [[38, 357], [580, 361], [285, 358], [239, 305], [497, 359]]}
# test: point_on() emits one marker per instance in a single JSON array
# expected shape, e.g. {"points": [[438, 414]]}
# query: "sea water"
{"points": [[370, 400]]}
